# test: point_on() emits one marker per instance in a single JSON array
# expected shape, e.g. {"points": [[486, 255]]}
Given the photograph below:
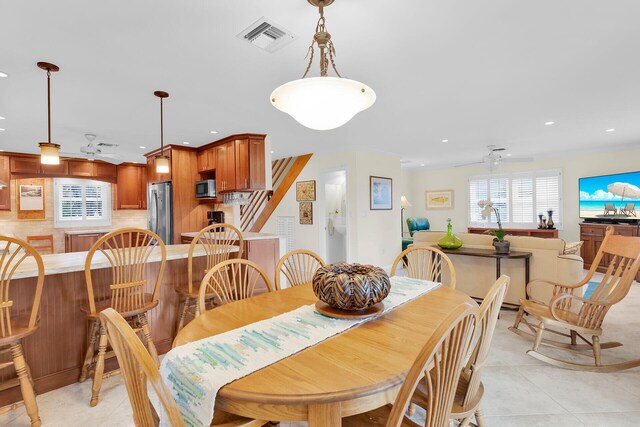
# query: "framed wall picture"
{"points": [[30, 198], [306, 191], [381, 196], [439, 199], [306, 213]]}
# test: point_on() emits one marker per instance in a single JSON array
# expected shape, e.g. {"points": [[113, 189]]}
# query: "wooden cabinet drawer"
{"points": [[592, 230]]}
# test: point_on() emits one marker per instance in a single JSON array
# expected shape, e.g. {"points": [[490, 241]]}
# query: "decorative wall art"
{"points": [[30, 198], [306, 213], [381, 190], [439, 199], [306, 191]]}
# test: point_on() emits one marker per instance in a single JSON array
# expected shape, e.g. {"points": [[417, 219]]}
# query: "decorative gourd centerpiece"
{"points": [[502, 246], [450, 241], [350, 290]]}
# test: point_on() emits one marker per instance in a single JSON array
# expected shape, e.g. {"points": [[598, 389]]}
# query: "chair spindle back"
{"points": [[13, 252], [298, 267], [426, 263]]}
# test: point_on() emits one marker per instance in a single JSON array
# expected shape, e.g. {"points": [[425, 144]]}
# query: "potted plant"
{"points": [[502, 246]]}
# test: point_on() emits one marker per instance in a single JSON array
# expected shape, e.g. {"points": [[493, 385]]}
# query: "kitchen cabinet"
{"points": [[132, 187], [242, 164], [206, 160], [25, 165], [81, 168], [257, 171], [58, 170], [105, 170], [81, 241], [5, 176], [593, 234], [265, 253], [225, 167]]}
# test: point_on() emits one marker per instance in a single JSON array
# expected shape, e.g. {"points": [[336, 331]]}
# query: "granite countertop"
{"points": [[74, 261], [247, 235]]}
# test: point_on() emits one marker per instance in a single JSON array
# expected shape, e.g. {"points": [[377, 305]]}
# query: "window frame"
{"points": [[533, 175], [59, 222]]}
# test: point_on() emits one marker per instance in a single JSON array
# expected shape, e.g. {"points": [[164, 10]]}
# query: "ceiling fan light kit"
{"points": [[162, 161], [324, 102], [49, 152]]}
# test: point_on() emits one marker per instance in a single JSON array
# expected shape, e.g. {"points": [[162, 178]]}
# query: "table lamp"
{"points": [[404, 203]]}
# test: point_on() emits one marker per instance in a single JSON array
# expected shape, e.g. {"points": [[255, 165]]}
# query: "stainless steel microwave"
{"points": [[205, 189]]}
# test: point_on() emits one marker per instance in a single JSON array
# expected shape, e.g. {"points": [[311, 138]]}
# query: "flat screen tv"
{"points": [[610, 198]]}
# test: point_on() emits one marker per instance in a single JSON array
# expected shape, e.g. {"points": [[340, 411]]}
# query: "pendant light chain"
{"points": [[323, 39], [49, 103], [161, 129]]}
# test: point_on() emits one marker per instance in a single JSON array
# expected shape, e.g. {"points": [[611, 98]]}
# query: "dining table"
{"points": [[353, 372]]}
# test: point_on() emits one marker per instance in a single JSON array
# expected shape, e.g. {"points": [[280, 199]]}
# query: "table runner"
{"points": [[194, 372]]}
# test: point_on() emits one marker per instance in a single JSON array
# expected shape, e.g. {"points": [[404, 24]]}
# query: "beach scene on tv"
{"points": [[610, 196]]}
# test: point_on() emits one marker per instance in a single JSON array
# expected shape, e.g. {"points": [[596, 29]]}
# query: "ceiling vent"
{"points": [[267, 35]]}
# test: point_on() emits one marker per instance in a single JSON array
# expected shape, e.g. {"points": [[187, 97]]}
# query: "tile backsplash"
{"points": [[10, 224]]}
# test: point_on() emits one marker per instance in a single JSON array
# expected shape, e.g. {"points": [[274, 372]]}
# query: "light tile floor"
{"points": [[520, 391]]}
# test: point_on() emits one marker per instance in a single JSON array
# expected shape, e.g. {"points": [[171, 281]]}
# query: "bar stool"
{"points": [[15, 326], [126, 252], [46, 242], [218, 242]]}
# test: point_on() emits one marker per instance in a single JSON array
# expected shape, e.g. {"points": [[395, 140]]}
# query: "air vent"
{"points": [[267, 35]]}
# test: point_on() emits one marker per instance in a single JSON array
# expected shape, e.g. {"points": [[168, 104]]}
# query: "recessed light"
{"points": [[1, 129], [421, 164], [508, 154], [214, 132], [185, 142], [1, 118], [272, 151], [610, 130], [549, 123], [3, 74], [445, 140], [142, 147]]}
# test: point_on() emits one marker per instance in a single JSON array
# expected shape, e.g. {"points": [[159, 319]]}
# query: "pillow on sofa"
{"points": [[573, 248]]}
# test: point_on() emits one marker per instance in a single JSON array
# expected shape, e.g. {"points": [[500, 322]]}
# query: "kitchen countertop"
{"points": [[247, 235], [88, 231], [74, 261]]}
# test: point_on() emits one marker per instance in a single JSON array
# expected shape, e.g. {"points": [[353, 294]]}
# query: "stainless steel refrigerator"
{"points": [[160, 210]]}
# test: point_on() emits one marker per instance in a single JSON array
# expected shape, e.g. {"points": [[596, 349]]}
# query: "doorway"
{"points": [[332, 213]]}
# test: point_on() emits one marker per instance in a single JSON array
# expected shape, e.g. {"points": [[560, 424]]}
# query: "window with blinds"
{"points": [[81, 203], [519, 197]]}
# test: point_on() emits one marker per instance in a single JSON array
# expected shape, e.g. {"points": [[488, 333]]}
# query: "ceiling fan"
{"points": [[494, 158], [97, 151]]}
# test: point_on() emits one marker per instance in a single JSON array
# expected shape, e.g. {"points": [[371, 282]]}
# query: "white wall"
{"points": [[573, 167], [373, 236]]}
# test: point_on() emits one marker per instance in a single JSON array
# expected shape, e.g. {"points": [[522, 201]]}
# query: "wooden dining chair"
{"points": [[232, 280], [469, 393], [576, 317], [426, 263], [218, 242], [439, 365], [138, 367], [127, 253], [298, 267], [19, 321], [45, 243]]}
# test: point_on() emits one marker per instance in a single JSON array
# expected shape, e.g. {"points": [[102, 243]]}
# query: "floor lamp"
{"points": [[404, 203]]}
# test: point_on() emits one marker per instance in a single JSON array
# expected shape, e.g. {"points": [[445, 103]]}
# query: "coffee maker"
{"points": [[215, 217]]}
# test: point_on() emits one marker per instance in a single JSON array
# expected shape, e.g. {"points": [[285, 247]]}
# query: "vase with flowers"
{"points": [[502, 246]]}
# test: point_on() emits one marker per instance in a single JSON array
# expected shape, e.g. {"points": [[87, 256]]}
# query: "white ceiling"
{"points": [[473, 72]]}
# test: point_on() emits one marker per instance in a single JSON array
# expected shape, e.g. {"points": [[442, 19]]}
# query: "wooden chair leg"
{"points": [[480, 421], [411, 410], [596, 350], [146, 333], [99, 371], [88, 357], [516, 323], [574, 337], [538, 339], [183, 313], [26, 387]]}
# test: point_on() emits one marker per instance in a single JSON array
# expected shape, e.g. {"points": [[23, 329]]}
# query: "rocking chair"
{"points": [[582, 317]]}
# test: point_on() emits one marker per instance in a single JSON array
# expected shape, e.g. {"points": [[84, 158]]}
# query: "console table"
{"points": [[490, 253], [545, 233]]}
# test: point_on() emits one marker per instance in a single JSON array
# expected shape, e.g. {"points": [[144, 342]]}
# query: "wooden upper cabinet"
{"points": [[132, 187], [81, 168], [25, 165], [5, 175], [242, 164], [58, 170], [206, 160], [225, 167], [105, 170], [257, 169]]}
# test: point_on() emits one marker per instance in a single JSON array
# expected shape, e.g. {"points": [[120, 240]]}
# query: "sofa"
{"points": [[475, 275]]}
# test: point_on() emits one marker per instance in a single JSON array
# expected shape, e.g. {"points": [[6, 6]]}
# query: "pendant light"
{"points": [[324, 102], [162, 161], [49, 152]]}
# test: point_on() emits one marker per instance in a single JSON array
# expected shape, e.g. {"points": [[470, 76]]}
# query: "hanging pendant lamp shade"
{"points": [[49, 152], [324, 102], [162, 161]]}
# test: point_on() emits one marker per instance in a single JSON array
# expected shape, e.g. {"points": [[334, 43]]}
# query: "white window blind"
{"points": [[81, 203], [519, 197]]}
